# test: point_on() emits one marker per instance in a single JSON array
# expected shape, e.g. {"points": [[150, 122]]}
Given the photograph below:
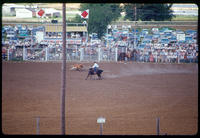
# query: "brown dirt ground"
{"points": [[131, 96]]}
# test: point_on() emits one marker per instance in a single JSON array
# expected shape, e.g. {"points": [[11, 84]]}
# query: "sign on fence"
{"points": [[180, 37]]}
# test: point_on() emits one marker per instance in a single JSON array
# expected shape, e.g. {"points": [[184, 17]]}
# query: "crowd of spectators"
{"points": [[153, 51], [176, 53]]}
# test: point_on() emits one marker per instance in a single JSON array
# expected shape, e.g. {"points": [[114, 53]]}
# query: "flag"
{"points": [[40, 12], [85, 14]]}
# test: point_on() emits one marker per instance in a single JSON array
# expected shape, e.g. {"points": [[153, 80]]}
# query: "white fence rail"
{"points": [[55, 54], [90, 54]]}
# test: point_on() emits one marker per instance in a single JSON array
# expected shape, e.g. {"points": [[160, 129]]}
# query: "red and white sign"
{"points": [[77, 42], [40, 13], [85, 14]]}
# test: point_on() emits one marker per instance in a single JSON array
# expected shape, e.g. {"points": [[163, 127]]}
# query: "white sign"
{"points": [[101, 120], [39, 36], [180, 37]]}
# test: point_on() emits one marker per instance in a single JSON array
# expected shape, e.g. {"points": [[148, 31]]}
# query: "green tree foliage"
{"points": [[100, 15], [148, 12]]}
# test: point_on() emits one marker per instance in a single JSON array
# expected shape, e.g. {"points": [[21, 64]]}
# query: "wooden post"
{"points": [[63, 73], [158, 126], [38, 125], [135, 25], [101, 128]]}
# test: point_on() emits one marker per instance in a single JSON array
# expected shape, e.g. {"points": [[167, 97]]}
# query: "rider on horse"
{"points": [[95, 67], [94, 70]]}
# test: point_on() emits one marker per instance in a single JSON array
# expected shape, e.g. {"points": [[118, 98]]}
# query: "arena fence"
{"points": [[40, 125], [90, 54], [55, 54], [101, 127]]}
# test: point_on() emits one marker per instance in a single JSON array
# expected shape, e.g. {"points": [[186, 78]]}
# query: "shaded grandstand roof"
{"points": [[58, 28]]}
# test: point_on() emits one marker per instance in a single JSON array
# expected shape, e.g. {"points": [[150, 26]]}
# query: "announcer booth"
{"points": [[76, 34]]}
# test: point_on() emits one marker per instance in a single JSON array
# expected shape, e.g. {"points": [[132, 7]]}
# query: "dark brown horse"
{"points": [[91, 73]]}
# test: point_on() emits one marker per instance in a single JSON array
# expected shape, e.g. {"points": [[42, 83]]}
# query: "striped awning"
{"points": [[58, 28]]}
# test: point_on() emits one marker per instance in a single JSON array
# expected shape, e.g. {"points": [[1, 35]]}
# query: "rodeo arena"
{"points": [[147, 85]]}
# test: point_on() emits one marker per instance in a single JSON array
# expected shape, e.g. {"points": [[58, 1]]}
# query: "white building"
{"points": [[185, 9], [51, 12], [23, 13], [9, 9]]}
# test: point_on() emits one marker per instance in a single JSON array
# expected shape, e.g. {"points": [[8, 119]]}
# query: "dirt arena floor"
{"points": [[131, 96]]}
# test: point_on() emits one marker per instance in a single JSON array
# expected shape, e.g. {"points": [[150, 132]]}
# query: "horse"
{"points": [[77, 67], [91, 72]]}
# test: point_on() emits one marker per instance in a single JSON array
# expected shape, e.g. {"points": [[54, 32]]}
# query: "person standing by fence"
{"points": [[128, 55], [151, 58]]}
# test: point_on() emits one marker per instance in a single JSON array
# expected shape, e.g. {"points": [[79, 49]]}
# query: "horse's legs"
{"points": [[87, 76], [99, 76]]}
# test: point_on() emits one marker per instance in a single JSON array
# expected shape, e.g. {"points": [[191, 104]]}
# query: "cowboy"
{"points": [[95, 67]]}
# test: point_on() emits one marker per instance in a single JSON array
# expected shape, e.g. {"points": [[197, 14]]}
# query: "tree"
{"points": [[148, 12], [100, 15]]}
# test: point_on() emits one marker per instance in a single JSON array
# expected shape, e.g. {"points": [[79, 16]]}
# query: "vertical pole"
{"points": [[8, 54], [31, 38], [99, 54], [90, 52], [158, 126], [178, 55], [101, 128], [135, 28], [24, 53], [63, 72], [116, 53], [81, 54], [107, 37], [46, 54], [76, 52], [87, 32], [38, 125]]}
